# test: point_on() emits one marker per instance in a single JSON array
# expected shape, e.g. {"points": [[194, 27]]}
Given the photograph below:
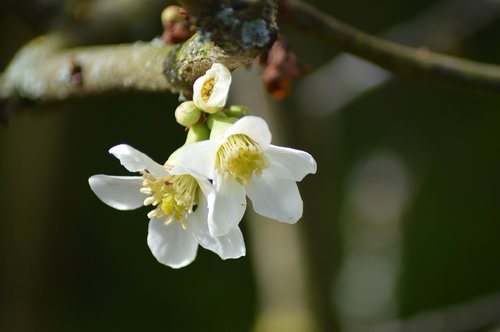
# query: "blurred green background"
{"points": [[401, 219]]}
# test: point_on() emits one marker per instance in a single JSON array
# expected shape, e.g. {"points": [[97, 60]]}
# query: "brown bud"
{"points": [[280, 67], [176, 25]]}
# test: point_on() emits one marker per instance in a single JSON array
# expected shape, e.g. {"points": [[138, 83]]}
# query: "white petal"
{"points": [[252, 126], [197, 98], [296, 163], [275, 198], [199, 158], [221, 87], [227, 246], [205, 185], [218, 96], [119, 192], [226, 206], [136, 161], [171, 244]]}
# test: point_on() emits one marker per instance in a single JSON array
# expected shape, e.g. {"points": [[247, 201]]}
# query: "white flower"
{"points": [[244, 163], [210, 90], [179, 221]]}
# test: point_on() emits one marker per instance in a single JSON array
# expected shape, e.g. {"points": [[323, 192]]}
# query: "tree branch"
{"points": [[43, 72], [441, 27], [417, 63], [231, 32], [46, 70]]}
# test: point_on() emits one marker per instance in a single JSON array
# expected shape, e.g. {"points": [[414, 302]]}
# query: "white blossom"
{"points": [[243, 162], [178, 222]]}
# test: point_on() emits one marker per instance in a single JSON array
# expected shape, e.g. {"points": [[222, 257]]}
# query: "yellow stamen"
{"points": [[174, 196], [241, 157], [207, 88]]}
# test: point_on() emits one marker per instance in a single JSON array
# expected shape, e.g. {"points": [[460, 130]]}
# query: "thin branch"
{"points": [[440, 27], [417, 63]]}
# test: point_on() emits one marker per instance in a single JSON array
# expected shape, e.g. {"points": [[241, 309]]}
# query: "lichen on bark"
{"points": [[229, 32]]}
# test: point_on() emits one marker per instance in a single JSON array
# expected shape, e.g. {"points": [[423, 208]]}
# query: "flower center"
{"points": [[174, 196], [207, 88], [240, 157]]}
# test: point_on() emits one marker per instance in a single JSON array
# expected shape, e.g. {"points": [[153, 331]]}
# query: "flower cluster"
{"points": [[199, 195]]}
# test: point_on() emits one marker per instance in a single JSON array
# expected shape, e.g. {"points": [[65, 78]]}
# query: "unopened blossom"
{"points": [[187, 114], [210, 90], [178, 220], [243, 162]]}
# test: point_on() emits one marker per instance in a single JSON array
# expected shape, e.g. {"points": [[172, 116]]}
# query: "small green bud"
{"points": [[187, 114], [237, 111], [196, 133], [212, 117], [220, 125]]}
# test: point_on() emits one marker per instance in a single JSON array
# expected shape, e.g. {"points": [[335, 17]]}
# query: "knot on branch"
{"points": [[232, 33], [236, 26]]}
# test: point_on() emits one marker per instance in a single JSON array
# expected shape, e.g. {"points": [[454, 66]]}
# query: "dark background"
{"points": [[70, 263]]}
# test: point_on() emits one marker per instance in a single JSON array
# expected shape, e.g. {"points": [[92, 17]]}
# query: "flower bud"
{"points": [[237, 111], [171, 14], [219, 123], [214, 117], [196, 133], [187, 114]]}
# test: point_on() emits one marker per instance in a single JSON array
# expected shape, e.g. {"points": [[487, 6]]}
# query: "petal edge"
{"points": [[119, 192]]}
